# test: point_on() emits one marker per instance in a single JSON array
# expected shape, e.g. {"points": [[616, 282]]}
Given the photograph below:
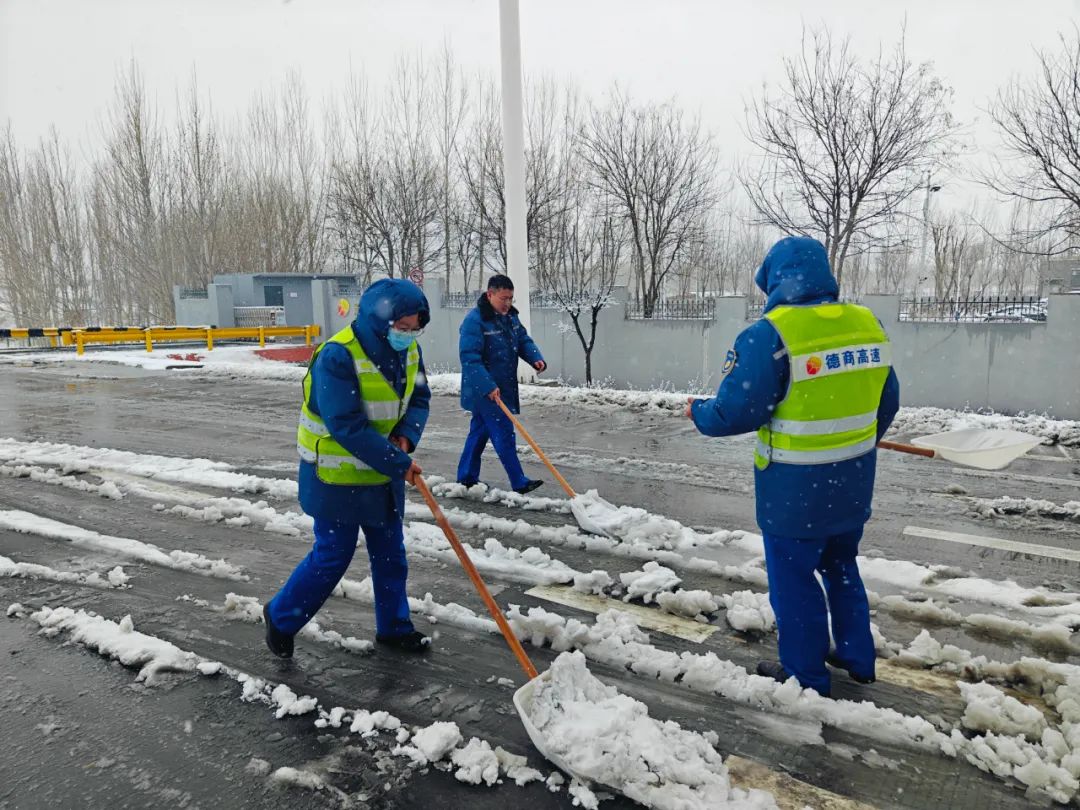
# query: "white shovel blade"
{"points": [[595, 515], [977, 447], [523, 702]]}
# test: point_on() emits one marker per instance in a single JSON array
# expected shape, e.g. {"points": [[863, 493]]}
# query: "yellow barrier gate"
{"points": [[174, 334]]}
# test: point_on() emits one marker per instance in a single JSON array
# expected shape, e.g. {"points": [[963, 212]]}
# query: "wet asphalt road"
{"points": [[87, 735]]}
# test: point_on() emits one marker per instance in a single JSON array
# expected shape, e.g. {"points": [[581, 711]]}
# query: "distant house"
{"points": [[268, 299], [1061, 275]]}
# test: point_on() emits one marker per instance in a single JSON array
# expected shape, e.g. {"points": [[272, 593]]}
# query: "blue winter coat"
{"points": [[489, 347], [336, 397], [805, 501]]}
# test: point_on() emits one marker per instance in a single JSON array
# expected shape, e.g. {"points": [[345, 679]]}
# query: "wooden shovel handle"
{"points": [[474, 575], [536, 448], [907, 448]]}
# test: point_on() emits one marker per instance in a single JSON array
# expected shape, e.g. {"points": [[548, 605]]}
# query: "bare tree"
{"points": [[387, 190], [585, 246], [843, 143], [951, 242], [1039, 123], [452, 106], [657, 169]]}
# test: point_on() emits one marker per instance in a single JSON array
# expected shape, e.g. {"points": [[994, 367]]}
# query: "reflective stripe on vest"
{"points": [[382, 406], [839, 358]]}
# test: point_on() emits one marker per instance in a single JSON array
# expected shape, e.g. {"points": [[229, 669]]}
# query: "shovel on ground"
{"points": [[588, 510], [981, 448], [523, 697]]}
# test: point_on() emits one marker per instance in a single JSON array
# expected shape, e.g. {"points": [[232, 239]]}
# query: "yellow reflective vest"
{"points": [[839, 359], [383, 407]]}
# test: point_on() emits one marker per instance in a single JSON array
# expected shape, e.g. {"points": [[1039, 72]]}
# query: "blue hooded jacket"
{"points": [[489, 347], [802, 501], [336, 398]]}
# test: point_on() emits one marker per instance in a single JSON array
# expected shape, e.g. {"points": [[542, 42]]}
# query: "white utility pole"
{"points": [[924, 269], [517, 248]]}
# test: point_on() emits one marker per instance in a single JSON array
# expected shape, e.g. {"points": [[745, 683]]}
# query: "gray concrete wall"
{"points": [[192, 311], [1007, 367], [220, 297], [676, 355]]}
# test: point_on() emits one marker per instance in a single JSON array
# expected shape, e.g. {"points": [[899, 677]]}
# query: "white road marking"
{"points": [[996, 543], [652, 618]]}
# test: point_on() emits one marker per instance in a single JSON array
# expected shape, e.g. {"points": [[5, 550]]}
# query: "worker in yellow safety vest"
{"points": [[364, 409], [814, 379]]}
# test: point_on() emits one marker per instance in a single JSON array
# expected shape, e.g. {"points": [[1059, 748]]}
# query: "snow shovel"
{"points": [[981, 448], [477, 581], [587, 510], [523, 697]]}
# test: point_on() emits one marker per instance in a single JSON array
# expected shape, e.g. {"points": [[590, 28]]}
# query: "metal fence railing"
{"points": [[259, 316], [538, 299], [987, 309], [193, 292], [673, 309], [459, 300]]}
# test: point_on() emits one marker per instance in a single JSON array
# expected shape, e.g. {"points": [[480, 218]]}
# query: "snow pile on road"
{"points": [[923, 421], [615, 640], [451, 613], [474, 763], [200, 471], [432, 743], [482, 493], [28, 523], [748, 610], [115, 578], [249, 609], [610, 739], [989, 709], [117, 640], [240, 362], [652, 579], [530, 566], [631, 524], [696, 604], [1028, 507], [596, 581], [47, 475]]}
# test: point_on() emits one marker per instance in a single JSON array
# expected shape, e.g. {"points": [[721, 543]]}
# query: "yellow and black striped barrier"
{"points": [[80, 338], [55, 334]]}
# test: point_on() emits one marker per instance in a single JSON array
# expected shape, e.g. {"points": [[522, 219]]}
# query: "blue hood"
{"points": [[381, 304], [387, 300], [796, 271]]}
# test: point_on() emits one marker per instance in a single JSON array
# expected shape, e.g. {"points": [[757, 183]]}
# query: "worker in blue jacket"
{"points": [[492, 340], [365, 405], [813, 377]]}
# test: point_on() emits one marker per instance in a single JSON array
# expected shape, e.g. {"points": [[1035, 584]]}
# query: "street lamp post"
{"points": [[517, 251], [923, 268]]}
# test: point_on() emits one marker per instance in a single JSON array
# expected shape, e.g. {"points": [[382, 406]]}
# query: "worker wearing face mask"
{"points": [[365, 406]]}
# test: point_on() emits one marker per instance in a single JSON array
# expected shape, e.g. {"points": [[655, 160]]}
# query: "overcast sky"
{"points": [[59, 58]]}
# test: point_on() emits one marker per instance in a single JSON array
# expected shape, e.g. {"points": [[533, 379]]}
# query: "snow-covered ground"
{"points": [[162, 560]]}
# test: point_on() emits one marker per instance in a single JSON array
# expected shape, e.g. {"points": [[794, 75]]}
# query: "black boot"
{"points": [[279, 643], [774, 670], [529, 487], [415, 642], [833, 661]]}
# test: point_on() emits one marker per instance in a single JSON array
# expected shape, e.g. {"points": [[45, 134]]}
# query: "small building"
{"points": [[1061, 275], [270, 299]]}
